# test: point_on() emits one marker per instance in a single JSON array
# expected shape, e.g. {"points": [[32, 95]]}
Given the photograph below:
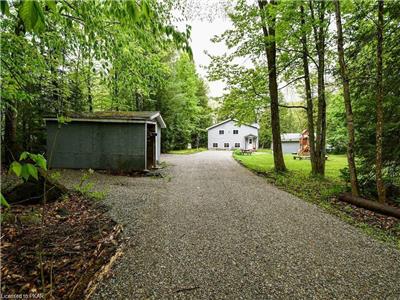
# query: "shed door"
{"points": [[151, 146]]}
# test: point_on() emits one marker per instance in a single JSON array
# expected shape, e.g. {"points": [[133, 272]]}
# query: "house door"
{"points": [[250, 143], [151, 146]]}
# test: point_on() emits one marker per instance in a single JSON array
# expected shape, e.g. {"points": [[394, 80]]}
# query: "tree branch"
{"points": [[290, 82], [293, 106], [298, 51], [74, 18]]}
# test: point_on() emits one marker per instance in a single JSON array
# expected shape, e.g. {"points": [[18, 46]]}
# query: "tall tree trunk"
{"points": [[307, 86], [10, 122], [115, 89], [89, 82], [379, 106], [90, 97], [270, 50], [347, 103], [139, 102], [319, 33], [10, 133]]}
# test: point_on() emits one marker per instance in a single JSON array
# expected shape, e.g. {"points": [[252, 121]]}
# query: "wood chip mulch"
{"points": [[78, 240]]}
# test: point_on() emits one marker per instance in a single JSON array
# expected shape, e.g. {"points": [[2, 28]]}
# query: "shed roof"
{"points": [[115, 116], [290, 137]]}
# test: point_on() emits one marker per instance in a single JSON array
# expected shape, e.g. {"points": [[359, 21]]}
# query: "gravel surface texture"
{"points": [[212, 229]]}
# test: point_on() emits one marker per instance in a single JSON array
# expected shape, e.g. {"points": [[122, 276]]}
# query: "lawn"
{"points": [[187, 151], [298, 180], [264, 162]]}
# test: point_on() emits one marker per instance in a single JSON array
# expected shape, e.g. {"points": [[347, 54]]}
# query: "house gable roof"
{"points": [[228, 120], [115, 116]]}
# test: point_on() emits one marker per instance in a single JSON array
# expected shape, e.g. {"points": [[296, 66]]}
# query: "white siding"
{"points": [[229, 137]]}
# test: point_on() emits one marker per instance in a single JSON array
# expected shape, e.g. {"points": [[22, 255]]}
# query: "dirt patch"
{"points": [[78, 238]]}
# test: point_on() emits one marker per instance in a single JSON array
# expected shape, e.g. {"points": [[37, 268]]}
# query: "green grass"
{"points": [[265, 163], [298, 181], [187, 151], [264, 150]]}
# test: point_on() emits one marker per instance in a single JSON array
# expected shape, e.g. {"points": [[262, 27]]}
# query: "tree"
{"points": [[268, 27], [308, 91], [347, 102], [72, 56], [184, 105], [379, 106], [360, 32], [320, 31]]}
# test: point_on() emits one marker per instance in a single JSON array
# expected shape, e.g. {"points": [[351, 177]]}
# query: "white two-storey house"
{"points": [[228, 135]]}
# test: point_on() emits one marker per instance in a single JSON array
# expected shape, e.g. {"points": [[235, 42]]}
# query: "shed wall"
{"points": [[290, 147], [81, 145]]}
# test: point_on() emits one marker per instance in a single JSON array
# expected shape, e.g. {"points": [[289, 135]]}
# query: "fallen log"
{"points": [[371, 205], [32, 191]]}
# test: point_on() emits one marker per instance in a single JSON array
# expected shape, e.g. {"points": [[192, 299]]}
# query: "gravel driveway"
{"points": [[213, 230]]}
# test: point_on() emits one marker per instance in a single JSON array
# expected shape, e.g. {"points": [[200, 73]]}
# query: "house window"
{"points": [[235, 131], [250, 141], [226, 145], [215, 145], [237, 145], [221, 132]]}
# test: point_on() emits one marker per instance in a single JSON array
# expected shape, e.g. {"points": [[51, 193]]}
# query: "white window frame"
{"points": [[221, 132], [225, 145], [237, 145], [215, 144], [235, 131]]}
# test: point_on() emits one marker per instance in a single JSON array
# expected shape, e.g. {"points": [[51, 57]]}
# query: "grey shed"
{"points": [[290, 142], [126, 141]]}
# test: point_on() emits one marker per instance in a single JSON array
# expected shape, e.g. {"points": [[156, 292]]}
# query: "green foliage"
{"points": [[31, 13], [336, 118], [62, 120], [27, 166], [184, 104], [26, 169], [4, 7], [247, 98], [85, 187], [3, 201], [360, 34], [62, 56]]}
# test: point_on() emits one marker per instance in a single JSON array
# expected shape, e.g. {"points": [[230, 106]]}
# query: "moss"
{"points": [[123, 115]]}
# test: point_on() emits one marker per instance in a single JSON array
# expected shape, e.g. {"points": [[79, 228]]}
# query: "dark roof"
{"points": [[114, 116]]}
